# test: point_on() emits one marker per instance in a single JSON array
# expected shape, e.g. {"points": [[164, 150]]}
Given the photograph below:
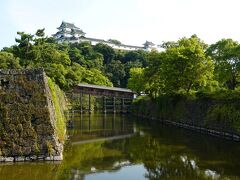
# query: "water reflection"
{"points": [[144, 150], [164, 152], [93, 126]]}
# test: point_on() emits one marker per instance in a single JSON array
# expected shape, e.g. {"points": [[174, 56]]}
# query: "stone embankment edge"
{"points": [[31, 158], [199, 129]]}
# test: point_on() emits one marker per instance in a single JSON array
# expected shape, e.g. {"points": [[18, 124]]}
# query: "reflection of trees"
{"points": [[174, 167], [164, 154], [80, 159], [161, 160]]}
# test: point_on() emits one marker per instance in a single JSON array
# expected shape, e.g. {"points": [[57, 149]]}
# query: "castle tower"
{"points": [[67, 32]]}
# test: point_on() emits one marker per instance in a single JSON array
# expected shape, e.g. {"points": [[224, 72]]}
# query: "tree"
{"points": [[94, 76], [23, 49], [127, 67], [107, 52], [76, 56], [226, 56], [136, 82], [185, 65], [115, 72], [138, 55], [154, 73]]}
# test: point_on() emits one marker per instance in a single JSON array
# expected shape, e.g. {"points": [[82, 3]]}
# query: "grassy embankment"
{"points": [[60, 105]]}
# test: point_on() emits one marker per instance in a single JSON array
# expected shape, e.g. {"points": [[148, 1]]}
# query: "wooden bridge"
{"points": [[113, 99]]}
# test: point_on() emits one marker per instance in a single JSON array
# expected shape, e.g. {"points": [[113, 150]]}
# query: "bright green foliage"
{"points": [[136, 81], [185, 66], [94, 76], [59, 106], [8, 61], [226, 56], [153, 74], [127, 66]]}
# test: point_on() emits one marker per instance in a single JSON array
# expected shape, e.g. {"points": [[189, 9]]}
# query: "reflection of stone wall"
{"points": [[27, 117]]}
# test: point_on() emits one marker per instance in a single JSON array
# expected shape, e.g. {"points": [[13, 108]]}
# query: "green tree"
{"points": [[185, 65], [94, 76], [127, 67], [154, 73], [138, 55], [23, 49], [107, 52], [226, 56], [136, 81], [115, 72]]}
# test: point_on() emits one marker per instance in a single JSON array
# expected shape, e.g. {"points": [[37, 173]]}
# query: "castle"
{"points": [[68, 32]]}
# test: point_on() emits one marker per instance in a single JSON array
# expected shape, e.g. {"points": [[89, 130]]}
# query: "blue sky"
{"points": [[130, 21]]}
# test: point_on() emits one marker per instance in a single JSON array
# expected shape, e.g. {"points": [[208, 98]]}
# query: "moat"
{"points": [[108, 146]]}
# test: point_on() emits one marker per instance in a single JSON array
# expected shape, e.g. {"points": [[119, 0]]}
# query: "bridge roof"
{"points": [[105, 88]]}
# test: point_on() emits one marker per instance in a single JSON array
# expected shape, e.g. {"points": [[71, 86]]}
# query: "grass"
{"points": [[59, 106]]}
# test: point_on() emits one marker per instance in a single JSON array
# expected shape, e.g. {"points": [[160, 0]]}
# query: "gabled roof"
{"points": [[68, 25], [77, 31]]}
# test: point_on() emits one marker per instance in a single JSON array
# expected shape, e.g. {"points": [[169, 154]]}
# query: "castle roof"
{"points": [[77, 31], [67, 25]]}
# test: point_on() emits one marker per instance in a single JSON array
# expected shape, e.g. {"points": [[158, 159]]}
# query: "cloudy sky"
{"points": [[130, 21]]}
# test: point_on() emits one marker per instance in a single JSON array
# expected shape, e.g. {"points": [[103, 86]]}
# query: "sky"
{"points": [[129, 21]]}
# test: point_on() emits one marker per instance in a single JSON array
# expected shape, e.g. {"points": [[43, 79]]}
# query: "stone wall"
{"points": [[27, 117], [208, 115]]}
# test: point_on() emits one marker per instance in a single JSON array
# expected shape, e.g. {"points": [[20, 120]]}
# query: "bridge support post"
{"points": [[104, 104], [114, 121], [81, 102], [89, 103], [114, 104], [122, 105]]}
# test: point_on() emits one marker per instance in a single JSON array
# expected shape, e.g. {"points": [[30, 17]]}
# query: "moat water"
{"points": [[121, 147]]}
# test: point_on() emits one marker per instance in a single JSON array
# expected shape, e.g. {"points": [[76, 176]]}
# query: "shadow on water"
{"points": [[108, 146]]}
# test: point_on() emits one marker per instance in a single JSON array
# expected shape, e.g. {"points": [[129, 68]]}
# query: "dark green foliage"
{"points": [[66, 64], [224, 116], [115, 72], [69, 64], [107, 52]]}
